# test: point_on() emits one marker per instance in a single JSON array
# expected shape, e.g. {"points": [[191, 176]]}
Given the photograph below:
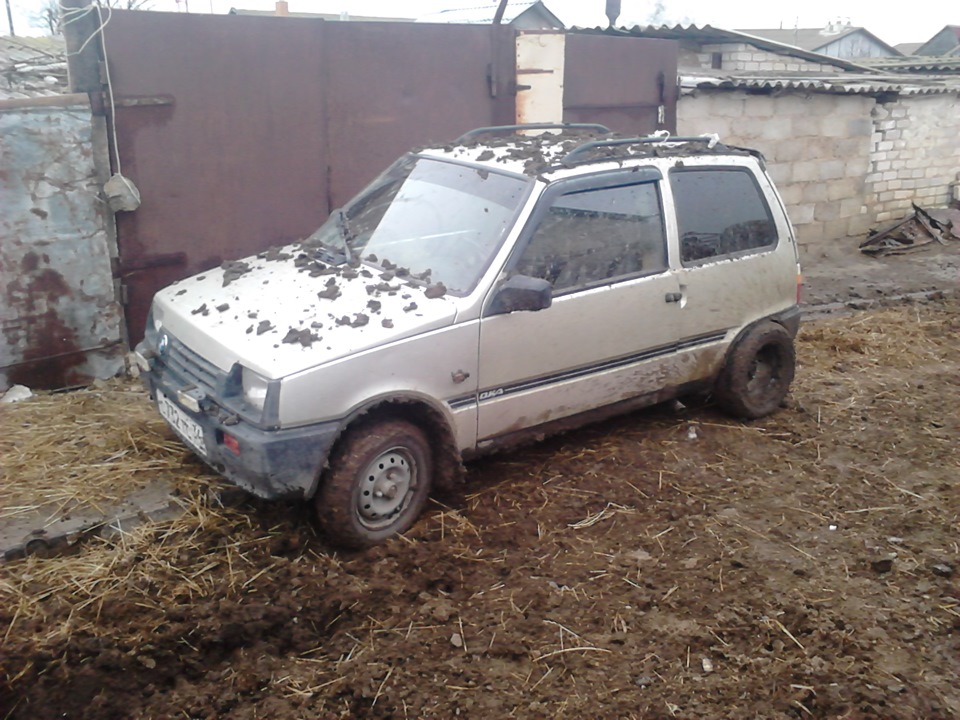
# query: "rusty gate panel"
{"points": [[394, 86], [60, 322], [244, 132], [220, 124], [626, 83]]}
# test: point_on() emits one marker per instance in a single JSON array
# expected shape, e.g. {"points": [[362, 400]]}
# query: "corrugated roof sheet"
{"points": [[32, 67], [919, 64], [836, 84]]}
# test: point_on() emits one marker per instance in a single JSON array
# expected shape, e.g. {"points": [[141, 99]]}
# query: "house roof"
{"points": [[815, 39], [331, 17], [484, 14], [708, 34], [945, 42], [32, 67], [909, 48]]}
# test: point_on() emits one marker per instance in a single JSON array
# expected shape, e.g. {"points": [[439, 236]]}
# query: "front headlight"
{"points": [[156, 317], [254, 388]]}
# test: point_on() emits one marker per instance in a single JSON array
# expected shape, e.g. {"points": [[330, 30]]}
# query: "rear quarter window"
{"points": [[721, 212]]}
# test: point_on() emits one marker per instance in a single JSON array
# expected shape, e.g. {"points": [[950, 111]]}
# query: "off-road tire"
{"points": [[360, 467], [758, 372]]}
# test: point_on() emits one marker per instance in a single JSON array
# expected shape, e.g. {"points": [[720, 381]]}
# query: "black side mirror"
{"points": [[522, 293]]}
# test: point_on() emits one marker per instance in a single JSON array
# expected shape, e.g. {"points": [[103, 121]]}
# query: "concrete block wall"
{"points": [[743, 57], [915, 154], [818, 150]]}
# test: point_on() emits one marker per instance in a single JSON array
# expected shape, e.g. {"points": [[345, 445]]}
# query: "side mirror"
{"points": [[522, 293]]}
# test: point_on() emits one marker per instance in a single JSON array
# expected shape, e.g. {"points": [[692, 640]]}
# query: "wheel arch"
{"points": [[424, 412]]}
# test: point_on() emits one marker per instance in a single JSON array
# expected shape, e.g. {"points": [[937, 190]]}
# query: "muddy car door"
{"points": [[736, 262], [611, 329]]}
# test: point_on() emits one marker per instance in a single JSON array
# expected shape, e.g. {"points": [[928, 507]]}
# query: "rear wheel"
{"points": [[376, 485], [758, 372]]}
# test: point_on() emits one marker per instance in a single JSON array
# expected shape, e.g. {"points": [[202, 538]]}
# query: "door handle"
{"points": [[673, 297]]}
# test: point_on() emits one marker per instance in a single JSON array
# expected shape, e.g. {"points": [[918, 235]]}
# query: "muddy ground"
{"points": [[671, 563]]}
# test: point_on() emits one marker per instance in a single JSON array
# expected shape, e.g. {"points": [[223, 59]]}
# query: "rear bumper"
{"points": [[271, 464], [790, 319]]}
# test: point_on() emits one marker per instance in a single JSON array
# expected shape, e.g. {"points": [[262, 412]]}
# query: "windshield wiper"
{"points": [[345, 235]]}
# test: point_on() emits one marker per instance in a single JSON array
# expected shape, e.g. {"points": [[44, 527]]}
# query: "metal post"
{"points": [[10, 19]]}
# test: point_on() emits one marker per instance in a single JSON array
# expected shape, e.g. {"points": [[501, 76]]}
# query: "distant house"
{"points": [[839, 40], [521, 15], [737, 51], [944, 43], [909, 48]]}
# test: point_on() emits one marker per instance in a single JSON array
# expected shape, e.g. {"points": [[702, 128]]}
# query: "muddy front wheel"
{"points": [[376, 485]]}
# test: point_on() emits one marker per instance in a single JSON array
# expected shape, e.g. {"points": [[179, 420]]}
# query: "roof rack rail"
{"points": [[495, 129], [659, 137]]}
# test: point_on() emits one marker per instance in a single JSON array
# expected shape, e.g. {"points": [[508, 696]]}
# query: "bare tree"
{"points": [[49, 17]]}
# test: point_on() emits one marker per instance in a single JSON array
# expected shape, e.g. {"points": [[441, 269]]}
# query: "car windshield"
{"points": [[439, 221]]}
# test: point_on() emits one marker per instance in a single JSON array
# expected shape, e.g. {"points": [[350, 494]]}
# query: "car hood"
{"points": [[282, 312]]}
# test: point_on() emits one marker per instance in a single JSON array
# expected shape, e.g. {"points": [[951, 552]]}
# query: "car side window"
{"points": [[591, 237], [720, 212]]}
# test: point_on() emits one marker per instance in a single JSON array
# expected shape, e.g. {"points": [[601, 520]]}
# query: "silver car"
{"points": [[476, 295]]}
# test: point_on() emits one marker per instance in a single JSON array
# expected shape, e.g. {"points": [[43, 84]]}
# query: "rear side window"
{"points": [[596, 236], [720, 212]]}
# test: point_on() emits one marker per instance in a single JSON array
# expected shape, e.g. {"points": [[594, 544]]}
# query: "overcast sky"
{"points": [[914, 21]]}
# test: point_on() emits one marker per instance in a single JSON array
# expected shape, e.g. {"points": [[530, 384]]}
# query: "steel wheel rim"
{"points": [[387, 486]]}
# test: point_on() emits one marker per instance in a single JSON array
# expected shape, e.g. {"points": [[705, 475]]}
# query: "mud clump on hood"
{"points": [[303, 337], [275, 254], [359, 320], [435, 291], [331, 293], [233, 270]]}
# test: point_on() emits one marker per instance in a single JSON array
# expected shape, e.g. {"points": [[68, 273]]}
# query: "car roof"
{"points": [[542, 153]]}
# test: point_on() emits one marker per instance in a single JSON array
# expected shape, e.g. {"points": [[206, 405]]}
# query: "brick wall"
{"points": [[843, 163], [915, 154], [742, 57]]}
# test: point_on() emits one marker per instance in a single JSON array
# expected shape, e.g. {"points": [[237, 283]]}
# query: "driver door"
{"points": [[611, 332]]}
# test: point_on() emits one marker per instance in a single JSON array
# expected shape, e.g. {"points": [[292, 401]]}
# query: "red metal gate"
{"points": [[244, 132]]}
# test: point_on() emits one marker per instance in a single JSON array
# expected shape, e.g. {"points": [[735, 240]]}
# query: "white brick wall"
{"points": [[915, 155], [842, 163]]}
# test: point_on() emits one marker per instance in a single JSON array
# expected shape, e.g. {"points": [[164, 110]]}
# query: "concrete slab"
{"points": [[52, 531]]}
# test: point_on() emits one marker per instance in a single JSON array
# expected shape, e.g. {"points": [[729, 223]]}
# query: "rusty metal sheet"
{"points": [[272, 122], [235, 162], [621, 82], [395, 86], [60, 324]]}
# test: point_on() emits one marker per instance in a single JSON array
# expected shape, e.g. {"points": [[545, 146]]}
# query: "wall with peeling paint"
{"points": [[60, 322]]}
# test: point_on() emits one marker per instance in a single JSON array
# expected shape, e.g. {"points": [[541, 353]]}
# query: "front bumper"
{"points": [[271, 464]]}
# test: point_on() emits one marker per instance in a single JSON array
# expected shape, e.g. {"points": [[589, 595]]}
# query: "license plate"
{"points": [[185, 426]]}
